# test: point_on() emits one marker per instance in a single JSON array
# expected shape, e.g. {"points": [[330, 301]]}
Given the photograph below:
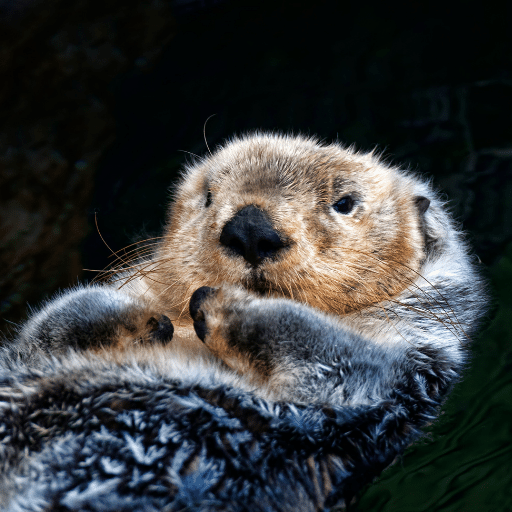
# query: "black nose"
{"points": [[251, 235]]}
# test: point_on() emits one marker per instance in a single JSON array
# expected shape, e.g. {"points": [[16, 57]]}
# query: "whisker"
{"points": [[432, 301], [190, 153], [149, 241], [393, 324], [204, 133]]}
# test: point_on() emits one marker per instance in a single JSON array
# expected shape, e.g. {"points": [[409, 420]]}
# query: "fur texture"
{"points": [[334, 303]]}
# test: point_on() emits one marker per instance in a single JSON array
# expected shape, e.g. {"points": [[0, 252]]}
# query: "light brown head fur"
{"points": [[336, 262]]}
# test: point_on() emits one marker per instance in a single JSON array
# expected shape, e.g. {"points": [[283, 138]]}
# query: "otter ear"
{"points": [[422, 203]]}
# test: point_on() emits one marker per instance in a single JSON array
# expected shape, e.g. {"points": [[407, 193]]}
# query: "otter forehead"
{"points": [[273, 163]]}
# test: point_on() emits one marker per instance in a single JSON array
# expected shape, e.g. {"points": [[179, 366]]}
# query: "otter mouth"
{"points": [[257, 282]]}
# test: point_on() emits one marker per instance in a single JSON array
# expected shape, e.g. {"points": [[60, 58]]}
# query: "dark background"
{"points": [[101, 100]]}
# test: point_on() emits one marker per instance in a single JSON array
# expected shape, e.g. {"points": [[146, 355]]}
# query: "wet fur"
{"points": [[288, 385]]}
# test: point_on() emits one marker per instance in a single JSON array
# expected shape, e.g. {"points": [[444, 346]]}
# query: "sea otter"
{"points": [[303, 316]]}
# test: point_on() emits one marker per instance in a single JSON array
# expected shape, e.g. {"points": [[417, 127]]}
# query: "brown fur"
{"points": [[338, 263]]}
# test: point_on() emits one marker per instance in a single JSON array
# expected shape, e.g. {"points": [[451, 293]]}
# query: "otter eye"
{"points": [[344, 205], [208, 199]]}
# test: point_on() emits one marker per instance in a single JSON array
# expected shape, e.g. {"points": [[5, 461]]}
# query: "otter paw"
{"points": [[161, 330], [196, 312], [213, 310], [227, 324]]}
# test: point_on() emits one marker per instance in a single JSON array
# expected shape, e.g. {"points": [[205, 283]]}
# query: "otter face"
{"points": [[287, 216]]}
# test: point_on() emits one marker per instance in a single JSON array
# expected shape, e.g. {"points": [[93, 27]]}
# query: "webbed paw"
{"points": [[229, 324], [89, 318]]}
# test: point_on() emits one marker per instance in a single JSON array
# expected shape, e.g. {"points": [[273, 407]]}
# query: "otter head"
{"points": [[288, 216]]}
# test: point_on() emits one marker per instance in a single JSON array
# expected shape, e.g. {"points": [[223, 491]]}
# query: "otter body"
{"points": [[303, 316]]}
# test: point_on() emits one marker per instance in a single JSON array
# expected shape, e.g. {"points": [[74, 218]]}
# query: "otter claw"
{"points": [[161, 330]]}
